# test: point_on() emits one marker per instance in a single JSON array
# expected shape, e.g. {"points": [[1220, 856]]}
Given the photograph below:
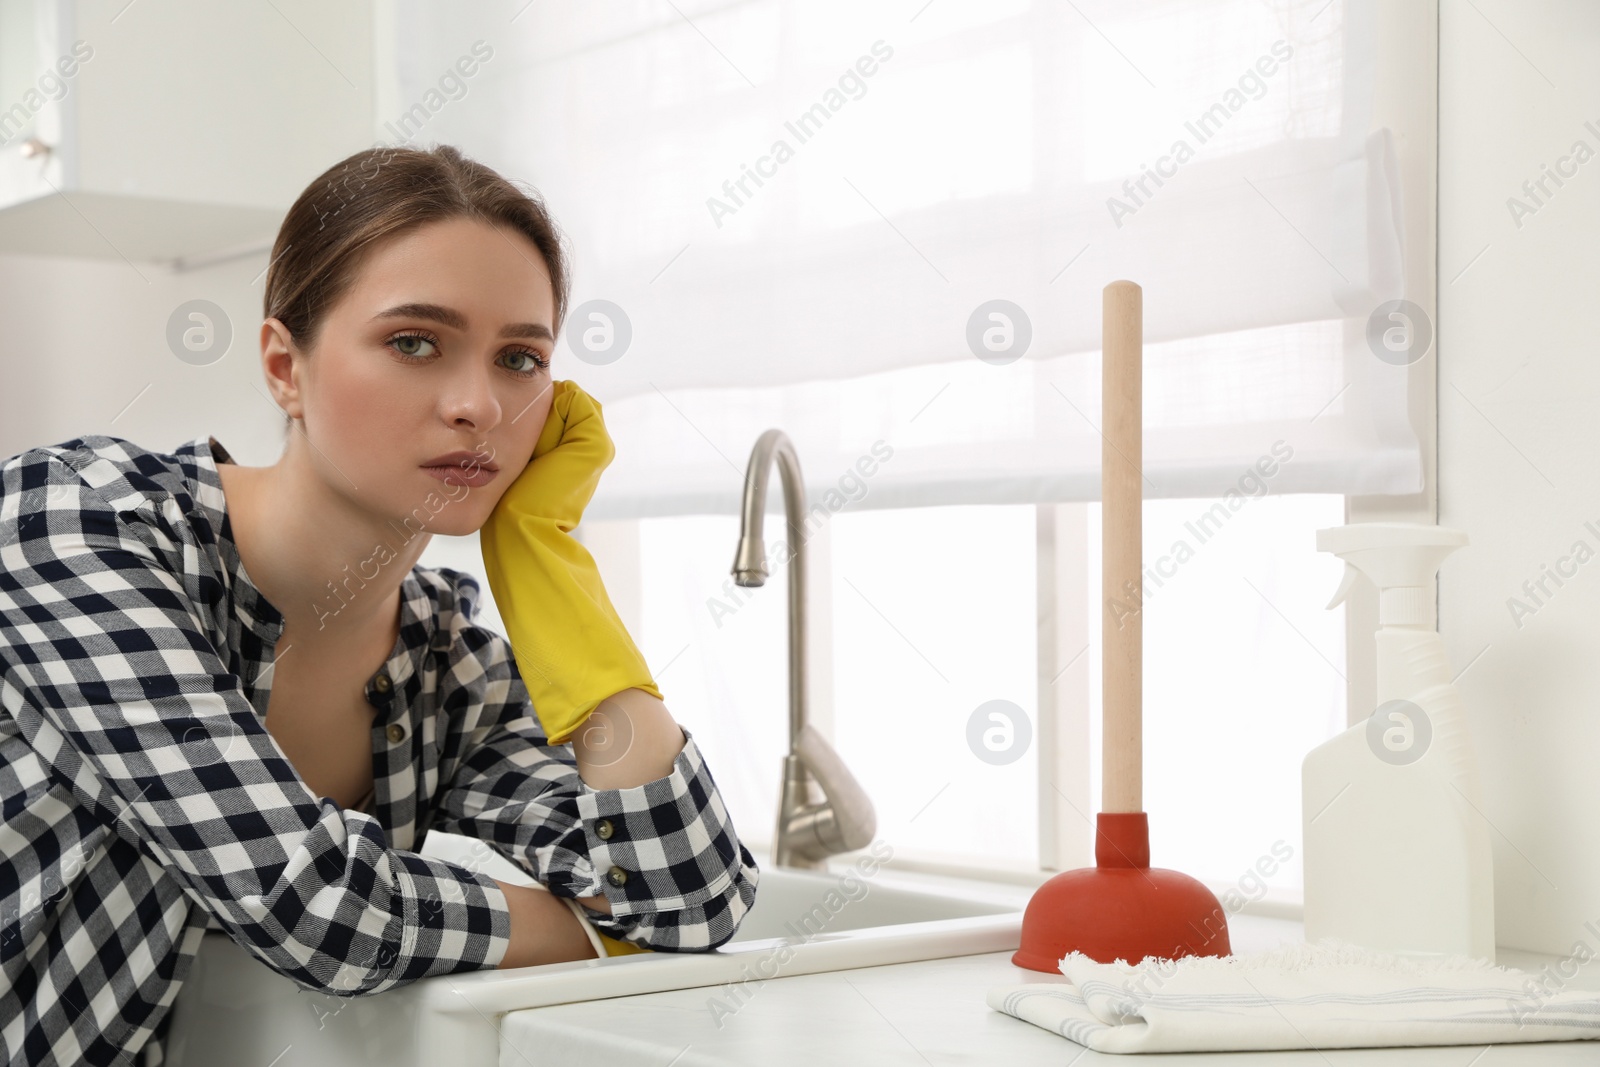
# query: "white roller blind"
{"points": [[916, 162]]}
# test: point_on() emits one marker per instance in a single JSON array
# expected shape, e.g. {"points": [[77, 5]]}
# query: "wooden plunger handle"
{"points": [[1122, 547]]}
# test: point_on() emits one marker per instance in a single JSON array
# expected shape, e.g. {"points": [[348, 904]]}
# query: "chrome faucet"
{"points": [[822, 809]]}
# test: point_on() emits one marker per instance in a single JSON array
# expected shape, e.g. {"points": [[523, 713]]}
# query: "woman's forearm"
{"points": [[630, 739], [543, 929]]}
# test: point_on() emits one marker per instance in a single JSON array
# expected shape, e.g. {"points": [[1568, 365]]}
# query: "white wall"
{"points": [[1518, 383], [85, 339]]}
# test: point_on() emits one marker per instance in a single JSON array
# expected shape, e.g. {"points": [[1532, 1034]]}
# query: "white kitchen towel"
{"points": [[1300, 996]]}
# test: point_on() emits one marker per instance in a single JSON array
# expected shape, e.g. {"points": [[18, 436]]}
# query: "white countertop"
{"points": [[929, 1012]]}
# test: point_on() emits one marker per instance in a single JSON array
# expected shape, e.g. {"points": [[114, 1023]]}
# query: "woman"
{"points": [[230, 699]]}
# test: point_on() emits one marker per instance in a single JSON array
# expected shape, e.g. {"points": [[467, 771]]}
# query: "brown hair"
{"points": [[381, 193]]}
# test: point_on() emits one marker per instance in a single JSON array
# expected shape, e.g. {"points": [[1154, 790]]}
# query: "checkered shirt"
{"points": [[144, 801]]}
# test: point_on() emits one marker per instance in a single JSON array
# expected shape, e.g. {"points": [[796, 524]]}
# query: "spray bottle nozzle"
{"points": [[1345, 585], [1400, 558]]}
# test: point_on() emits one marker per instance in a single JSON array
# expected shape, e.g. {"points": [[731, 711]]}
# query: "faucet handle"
{"points": [[849, 819]]}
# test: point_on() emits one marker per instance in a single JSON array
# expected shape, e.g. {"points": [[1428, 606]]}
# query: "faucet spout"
{"points": [[822, 809]]}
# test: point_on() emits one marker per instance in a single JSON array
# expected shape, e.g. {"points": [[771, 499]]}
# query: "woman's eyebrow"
{"points": [[457, 321]]}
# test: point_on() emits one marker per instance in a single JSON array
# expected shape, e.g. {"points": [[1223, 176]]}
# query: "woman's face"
{"points": [[443, 345]]}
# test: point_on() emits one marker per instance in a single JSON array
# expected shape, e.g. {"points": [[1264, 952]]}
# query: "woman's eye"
{"points": [[405, 345], [408, 339], [536, 362]]}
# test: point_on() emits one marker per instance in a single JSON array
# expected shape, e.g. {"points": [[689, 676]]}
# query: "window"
{"points": [[1243, 675], [1013, 151], [920, 615]]}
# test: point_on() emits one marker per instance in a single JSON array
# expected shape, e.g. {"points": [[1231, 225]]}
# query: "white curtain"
{"points": [[903, 164]]}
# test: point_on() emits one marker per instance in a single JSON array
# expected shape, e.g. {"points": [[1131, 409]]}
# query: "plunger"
{"points": [[1121, 908]]}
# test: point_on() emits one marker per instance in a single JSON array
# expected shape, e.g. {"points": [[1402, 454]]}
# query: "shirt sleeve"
{"points": [[664, 853], [117, 686]]}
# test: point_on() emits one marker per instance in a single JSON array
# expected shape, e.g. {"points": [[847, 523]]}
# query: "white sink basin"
{"points": [[233, 1009]]}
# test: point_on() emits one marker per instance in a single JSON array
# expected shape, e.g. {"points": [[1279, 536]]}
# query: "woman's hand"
{"points": [[566, 637], [572, 451]]}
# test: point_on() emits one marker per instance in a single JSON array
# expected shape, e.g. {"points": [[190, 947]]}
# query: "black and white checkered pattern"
{"points": [[138, 780]]}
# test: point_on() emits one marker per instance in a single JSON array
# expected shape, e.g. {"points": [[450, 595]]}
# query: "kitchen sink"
{"points": [[234, 1009]]}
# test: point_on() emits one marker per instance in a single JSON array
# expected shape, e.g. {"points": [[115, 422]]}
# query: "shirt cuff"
{"points": [[667, 845], [456, 919]]}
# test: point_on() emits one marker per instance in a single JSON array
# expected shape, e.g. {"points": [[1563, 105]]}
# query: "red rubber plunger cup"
{"points": [[1121, 908]]}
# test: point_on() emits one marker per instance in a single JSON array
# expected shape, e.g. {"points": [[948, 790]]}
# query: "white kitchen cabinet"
{"points": [[172, 129]]}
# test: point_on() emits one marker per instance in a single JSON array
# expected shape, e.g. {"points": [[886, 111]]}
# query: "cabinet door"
{"points": [[35, 78], [173, 131]]}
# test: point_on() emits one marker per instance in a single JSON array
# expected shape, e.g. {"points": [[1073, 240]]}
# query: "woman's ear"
{"points": [[281, 363]]}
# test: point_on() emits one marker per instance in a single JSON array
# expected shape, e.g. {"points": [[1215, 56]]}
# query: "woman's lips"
{"points": [[454, 474]]}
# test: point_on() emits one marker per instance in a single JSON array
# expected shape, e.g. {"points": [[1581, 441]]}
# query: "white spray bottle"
{"points": [[1397, 850]]}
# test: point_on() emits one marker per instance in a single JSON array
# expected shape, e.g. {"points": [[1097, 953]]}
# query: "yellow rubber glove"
{"points": [[619, 948], [570, 646]]}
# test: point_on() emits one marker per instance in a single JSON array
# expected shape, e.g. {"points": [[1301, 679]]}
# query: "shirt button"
{"points": [[397, 733], [603, 829], [616, 876], [382, 683]]}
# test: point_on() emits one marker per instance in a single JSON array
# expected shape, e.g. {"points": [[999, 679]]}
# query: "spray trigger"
{"points": [[1348, 583]]}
